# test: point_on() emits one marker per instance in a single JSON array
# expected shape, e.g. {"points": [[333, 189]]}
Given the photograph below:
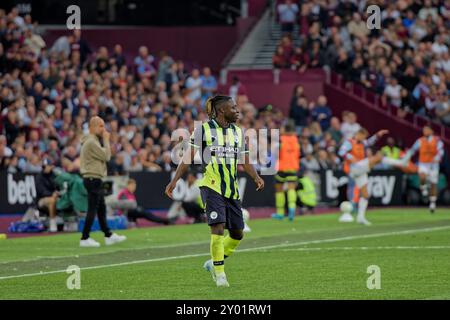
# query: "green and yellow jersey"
{"points": [[221, 149]]}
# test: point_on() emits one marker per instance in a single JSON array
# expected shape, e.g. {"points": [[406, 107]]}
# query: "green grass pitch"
{"points": [[314, 257]]}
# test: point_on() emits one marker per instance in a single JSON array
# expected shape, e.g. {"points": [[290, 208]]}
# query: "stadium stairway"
{"points": [[259, 46]]}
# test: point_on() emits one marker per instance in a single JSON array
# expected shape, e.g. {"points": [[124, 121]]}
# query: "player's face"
{"points": [[132, 187], [231, 111], [359, 136], [427, 131]]}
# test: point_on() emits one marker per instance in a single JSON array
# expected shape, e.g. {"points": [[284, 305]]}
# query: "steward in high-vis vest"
{"points": [[307, 193], [288, 165], [390, 150], [220, 144]]}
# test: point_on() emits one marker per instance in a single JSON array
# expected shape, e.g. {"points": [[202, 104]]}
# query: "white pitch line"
{"points": [[371, 248], [374, 235]]}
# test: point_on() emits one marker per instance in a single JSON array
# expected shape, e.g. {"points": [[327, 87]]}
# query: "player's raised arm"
{"points": [[412, 150], [373, 139]]}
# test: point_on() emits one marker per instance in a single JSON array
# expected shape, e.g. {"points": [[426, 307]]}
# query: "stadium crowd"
{"points": [[406, 61], [48, 93]]}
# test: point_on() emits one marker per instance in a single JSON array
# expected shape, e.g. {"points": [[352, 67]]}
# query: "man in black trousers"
{"points": [[93, 169]]}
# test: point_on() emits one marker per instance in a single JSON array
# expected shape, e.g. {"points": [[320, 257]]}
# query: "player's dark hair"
{"points": [[213, 103]]}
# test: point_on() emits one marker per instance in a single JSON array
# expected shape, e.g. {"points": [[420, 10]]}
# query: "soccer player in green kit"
{"points": [[221, 145]]}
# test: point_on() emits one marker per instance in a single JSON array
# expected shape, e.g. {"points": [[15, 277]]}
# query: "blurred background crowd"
{"points": [[406, 61], [48, 91]]}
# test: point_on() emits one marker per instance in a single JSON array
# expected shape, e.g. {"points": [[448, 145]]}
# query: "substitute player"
{"points": [[431, 151], [288, 165], [221, 146], [358, 165]]}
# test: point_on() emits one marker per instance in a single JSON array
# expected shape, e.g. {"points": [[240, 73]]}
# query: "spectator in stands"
{"points": [[316, 134], [63, 45], [144, 63], [194, 86], [46, 193], [335, 130], [34, 42], [165, 61], [315, 56], [5, 153], [309, 162], [322, 113], [357, 27], [237, 88], [300, 113], [323, 159], [349, 125], [299, 61], [287, 13], [118, 58], [443, 107], [81, 46], [392, 93], [288, 48], [279, 59], [209, 84]]}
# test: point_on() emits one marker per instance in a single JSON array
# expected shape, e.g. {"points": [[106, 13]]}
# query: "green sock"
{"points": [[280, 202], [291, 198], [230, 245], [217, 253]]}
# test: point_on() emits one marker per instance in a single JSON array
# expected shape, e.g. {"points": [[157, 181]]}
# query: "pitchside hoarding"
{"points": [[385, 187], [18, 191]]}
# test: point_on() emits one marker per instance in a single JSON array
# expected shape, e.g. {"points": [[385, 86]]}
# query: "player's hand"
{"points": [[382, 133], [259, 183], [169, 189]]}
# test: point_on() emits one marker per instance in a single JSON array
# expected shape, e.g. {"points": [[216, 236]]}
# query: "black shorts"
{"points": [[286, 176], [222, 210]]}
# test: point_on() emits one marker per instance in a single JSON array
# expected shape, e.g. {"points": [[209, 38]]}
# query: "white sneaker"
{"points": [[221, 280], [346, 217], [53, 226], [247, 228], [363, 221], [114, 238], [209, 266], [432, 207], [89, 243]]}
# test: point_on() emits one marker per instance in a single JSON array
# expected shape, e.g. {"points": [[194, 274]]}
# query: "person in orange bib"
{"points": [[431, 151], [288, 165], [357, 165]]}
